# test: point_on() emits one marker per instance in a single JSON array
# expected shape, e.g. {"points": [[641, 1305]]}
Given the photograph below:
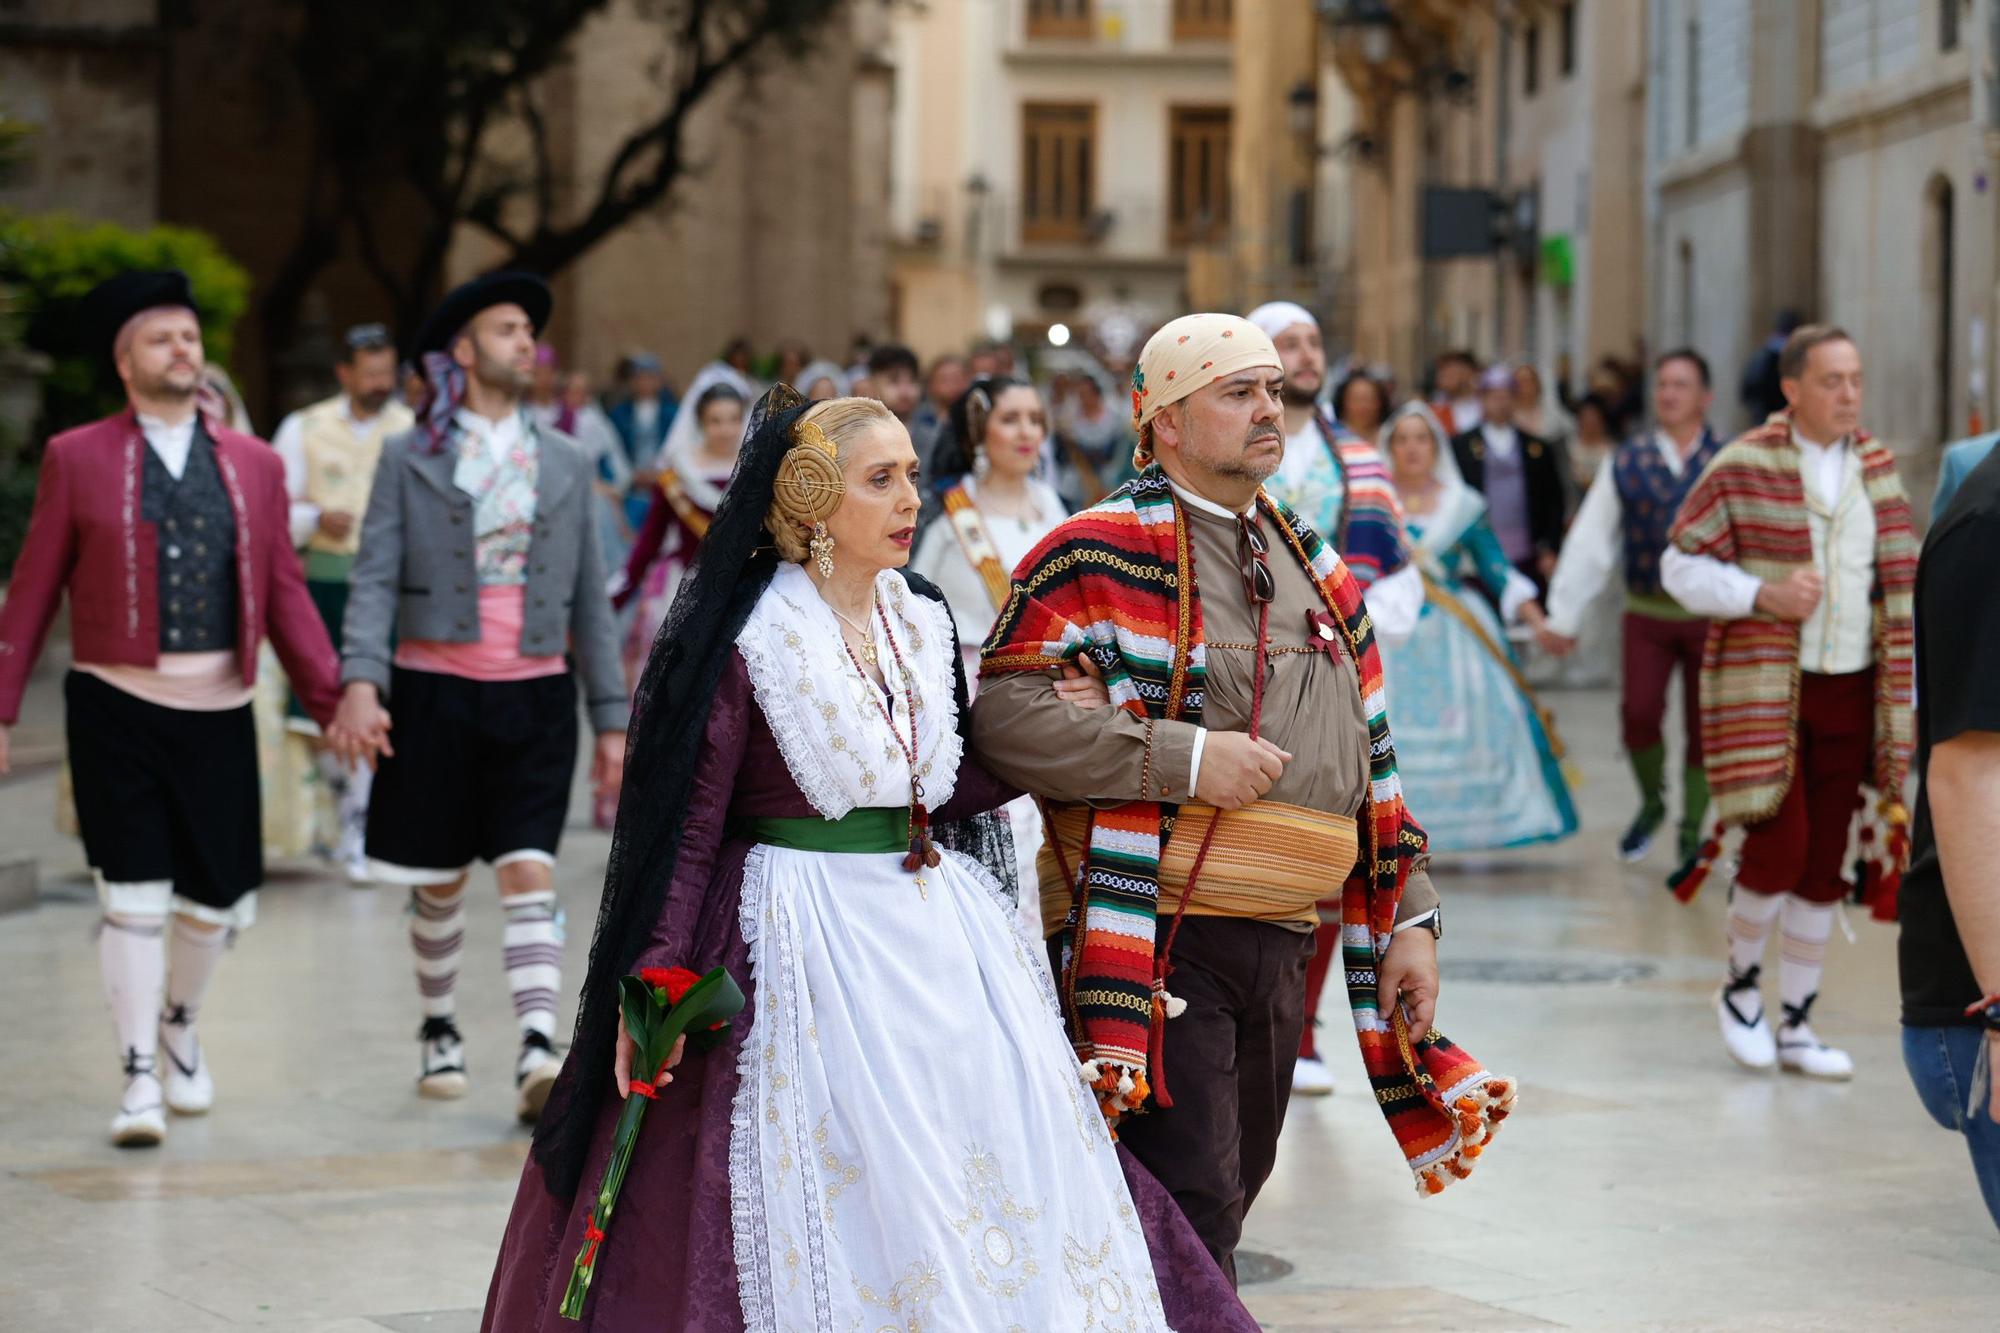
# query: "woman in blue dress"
{"points": [[1480, 761]]}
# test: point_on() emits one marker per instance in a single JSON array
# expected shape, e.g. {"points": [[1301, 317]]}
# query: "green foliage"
{"points": [[49, 260]]}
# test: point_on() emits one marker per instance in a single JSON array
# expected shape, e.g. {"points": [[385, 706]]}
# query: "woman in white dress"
{"points": [[994, 511], [896, 1132]]}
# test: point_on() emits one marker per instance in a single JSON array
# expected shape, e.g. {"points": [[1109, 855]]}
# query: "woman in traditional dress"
{"points": [[695, 462], [1477, 754], [994, 512], [994, 507], [895, 1132]]}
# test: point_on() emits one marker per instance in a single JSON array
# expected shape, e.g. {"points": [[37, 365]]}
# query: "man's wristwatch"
{"points": [[1433, 921]]}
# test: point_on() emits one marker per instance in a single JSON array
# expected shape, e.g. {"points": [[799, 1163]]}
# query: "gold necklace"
{"points": [[868, 653]]}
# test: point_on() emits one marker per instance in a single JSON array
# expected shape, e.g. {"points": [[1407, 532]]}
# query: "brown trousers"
{"points": [[1228, 1063]]}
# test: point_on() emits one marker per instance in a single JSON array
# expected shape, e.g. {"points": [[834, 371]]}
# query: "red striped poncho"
{"points": [[1749, 509], [1112, 582]]}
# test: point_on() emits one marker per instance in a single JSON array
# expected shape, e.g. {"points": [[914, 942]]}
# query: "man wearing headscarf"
{"points": [[479, 560], [169, 532], [1521, 476], [1194, 827], [1338, 482]]}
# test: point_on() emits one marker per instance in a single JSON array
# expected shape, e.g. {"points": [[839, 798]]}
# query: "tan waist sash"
{"points": [[1267, 862]]}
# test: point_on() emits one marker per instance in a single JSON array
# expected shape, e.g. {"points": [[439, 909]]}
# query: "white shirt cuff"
{"points": [[1421, 919], [1194, 761], [305, 522], [1520, 590]]}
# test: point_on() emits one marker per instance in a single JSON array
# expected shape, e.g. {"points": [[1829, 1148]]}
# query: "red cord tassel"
{"points": [[1687, 881]]}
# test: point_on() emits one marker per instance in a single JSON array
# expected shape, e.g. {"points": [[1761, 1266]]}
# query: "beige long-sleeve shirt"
{"points": [[1030, 737]]}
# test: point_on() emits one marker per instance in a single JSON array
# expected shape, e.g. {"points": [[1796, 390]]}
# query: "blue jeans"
{"points": [[1940, 1062]]}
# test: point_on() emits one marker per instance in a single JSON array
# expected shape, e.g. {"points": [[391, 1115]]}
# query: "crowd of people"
{"points": [[906, 706]]}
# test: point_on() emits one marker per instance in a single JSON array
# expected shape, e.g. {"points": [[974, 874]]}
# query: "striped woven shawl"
{"points": [[1115, 581], [1749, 509], [1371, 539]]}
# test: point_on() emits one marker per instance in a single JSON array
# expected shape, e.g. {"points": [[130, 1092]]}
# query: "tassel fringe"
{"points": [[1478, 1112], [1687, 881]]}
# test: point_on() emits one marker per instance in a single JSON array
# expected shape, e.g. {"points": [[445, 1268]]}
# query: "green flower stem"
{"points": [[622, 1139]]}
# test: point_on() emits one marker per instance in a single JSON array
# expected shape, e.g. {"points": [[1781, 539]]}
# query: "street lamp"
{"points": [[1368, 20]]}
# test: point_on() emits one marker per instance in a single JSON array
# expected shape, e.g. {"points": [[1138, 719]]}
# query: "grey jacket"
{"points": [[415, 572]]}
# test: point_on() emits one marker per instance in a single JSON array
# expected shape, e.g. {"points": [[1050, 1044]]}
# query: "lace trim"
{"points": [[749, 1221], [795, 692], [784, 710]]}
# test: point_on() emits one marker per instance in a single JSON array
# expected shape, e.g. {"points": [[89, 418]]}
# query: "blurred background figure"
{"points": [[893, 371], [1761, 390], [1520, 476], [1475, 750], [1537, 412], [820, 381], [642, 420], [1094, 442], [330, 450], [1455, 391], [1361, 403]]}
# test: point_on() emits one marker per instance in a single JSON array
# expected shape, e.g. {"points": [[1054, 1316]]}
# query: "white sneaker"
{"points": [[535, 1076], [1802, 1052], [141, 1121], [1746, 1032], [189, 1087], [1311, 1078], [442, 1075]]}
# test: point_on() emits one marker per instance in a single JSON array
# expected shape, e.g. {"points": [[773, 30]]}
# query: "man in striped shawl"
{"points": [[1245, 772], [1797, 544]]}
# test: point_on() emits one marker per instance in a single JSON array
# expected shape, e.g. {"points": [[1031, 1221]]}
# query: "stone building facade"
{"points": [[1834, 159], [1056, 162], [150, 113]]}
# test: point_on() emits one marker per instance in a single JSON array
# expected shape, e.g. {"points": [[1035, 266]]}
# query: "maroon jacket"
{"points": [[86, 535]]}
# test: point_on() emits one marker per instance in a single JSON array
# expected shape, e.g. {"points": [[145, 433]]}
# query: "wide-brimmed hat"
{"points": [[107, 307], [526, 290]]}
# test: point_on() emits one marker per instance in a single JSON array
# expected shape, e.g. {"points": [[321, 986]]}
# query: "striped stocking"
{"points": [[533, 943], [437, 935], [1802, 951], [1750, 918]]}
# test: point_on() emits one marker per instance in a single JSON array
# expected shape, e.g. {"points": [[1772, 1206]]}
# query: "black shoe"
{"points": [[443, 1067], [1638, 839], [535, 1075]]}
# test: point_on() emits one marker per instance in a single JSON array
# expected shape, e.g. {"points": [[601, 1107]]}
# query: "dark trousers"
{"points": [[1228, 1062], [1653, 648], [1800, 848]]}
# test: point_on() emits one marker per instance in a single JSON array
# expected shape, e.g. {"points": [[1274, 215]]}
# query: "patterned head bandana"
{"points": [[1187, 354], [446, 380]]}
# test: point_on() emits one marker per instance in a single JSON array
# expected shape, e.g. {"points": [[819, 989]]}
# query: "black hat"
{"points": [[525, 290], [106, 307]]}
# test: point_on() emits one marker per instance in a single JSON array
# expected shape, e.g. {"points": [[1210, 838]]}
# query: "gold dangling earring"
{"points": [[822, 550]]}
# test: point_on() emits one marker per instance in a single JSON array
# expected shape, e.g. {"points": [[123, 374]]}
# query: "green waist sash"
{"points": [[871, 829]]}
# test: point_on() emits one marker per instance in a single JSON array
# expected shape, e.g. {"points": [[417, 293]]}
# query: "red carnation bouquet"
{"points": [[661, 1005]]}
